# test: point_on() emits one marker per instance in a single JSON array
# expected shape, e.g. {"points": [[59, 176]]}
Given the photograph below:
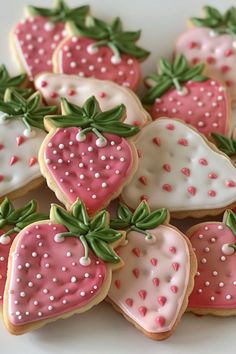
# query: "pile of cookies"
{"points": [[74, 120]]}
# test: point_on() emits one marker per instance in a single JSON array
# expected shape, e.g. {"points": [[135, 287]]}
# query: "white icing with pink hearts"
{"points": [[78, 90], [150, 288], [186, 174]]}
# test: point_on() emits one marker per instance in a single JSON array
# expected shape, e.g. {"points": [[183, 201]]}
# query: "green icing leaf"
{"points": [[69, 221], [113, 36], [152, 220], [31, 219], [98, 222], [226, 145], [230, 221], [172, 76], [61, 12], [140, 213], [103, 251], [90, 117], [108, 235], [12, 82], [6, 208]]}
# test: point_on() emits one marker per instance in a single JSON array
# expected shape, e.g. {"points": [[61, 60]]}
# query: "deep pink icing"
{"points": [[205, 106], [111, 165], [37, 253], [74, 58], [213, 269], [4, 253], [35, 45]]}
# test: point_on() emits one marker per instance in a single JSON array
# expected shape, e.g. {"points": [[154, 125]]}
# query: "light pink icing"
{"points": [[73, 57], [205, 106], [81, 169], [47, 278], [218, 51], [215, 282], [151, 286], [35, 40], [4, 253], [77, 90]]}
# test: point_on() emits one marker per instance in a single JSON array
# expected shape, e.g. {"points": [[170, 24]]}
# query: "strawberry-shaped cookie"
{"points": [[212, 39], [59, 267], [12, 221], [180, 170], [103, 51], [21, 134], [215, 283], [87, 154], [179, 91], [152, 288], [12, 82], [77, 90], [35, 38]]}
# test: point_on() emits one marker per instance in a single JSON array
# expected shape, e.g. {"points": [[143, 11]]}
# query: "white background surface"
{"points": [[102, 330]]}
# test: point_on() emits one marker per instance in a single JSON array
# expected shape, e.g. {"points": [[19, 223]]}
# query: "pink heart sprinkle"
{"points": [[175, 266], [142, 310], [129, 302], [160, 321], [161, 300], [185, 171], [212, 175], [230, 183], [117, 284], [203, 162], [166, 167], [192, 190], [156, 141], [156, 281], [43, 83], [172, 249], [211, 193], [170, 126], [142, 294], [136, 251], [174, 289], [154, 261], [167, 187], [135, 272], [183, 141]]}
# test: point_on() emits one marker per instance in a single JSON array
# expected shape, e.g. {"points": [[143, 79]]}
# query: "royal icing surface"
{"points": [[75, 57], [47, 278], [215, 282], [84, 170], [218, 51], [77, 90], [18, 154], [151, 286], [186, 173], [5, 245], [205, 106], [35, 40]]}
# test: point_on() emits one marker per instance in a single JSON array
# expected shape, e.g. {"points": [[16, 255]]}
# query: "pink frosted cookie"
{"points": [[212, 39], [183, 92], [18, 82], [103, 51], [35, 38], [88, 154], [21, 134], [61, 266], [152, 288], [77, 90], [12, 221], [215, 282], [179, 170]]}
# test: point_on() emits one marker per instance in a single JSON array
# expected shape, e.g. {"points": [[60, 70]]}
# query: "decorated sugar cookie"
{"points": [[35, 38], [12, 221], [215, 283], [88, 154], [21, 134], [61, 266], [181, 91], [77, 90], [152, 288], [12, 82], [212, 39], [179, 170], [103, 51]]}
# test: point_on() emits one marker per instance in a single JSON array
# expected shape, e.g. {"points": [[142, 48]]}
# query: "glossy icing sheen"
{"points": [[215, 283], [205, 106], [218, 51], [186, 173], [18, 155], [35, 40], [4, 253], [74, 57], [151, 286], [47, 279], [81, 169], [77, 90]]}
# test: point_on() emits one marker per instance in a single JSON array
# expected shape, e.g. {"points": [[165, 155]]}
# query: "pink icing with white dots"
{"points": [[218, 51], [74, 57], [84, 170], [47, 279], [187, 174], [205, 106], [35, 40], [152, 285], [215, 282]]}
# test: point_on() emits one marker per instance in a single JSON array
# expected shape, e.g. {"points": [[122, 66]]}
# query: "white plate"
{"points": [[102, 330]]}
